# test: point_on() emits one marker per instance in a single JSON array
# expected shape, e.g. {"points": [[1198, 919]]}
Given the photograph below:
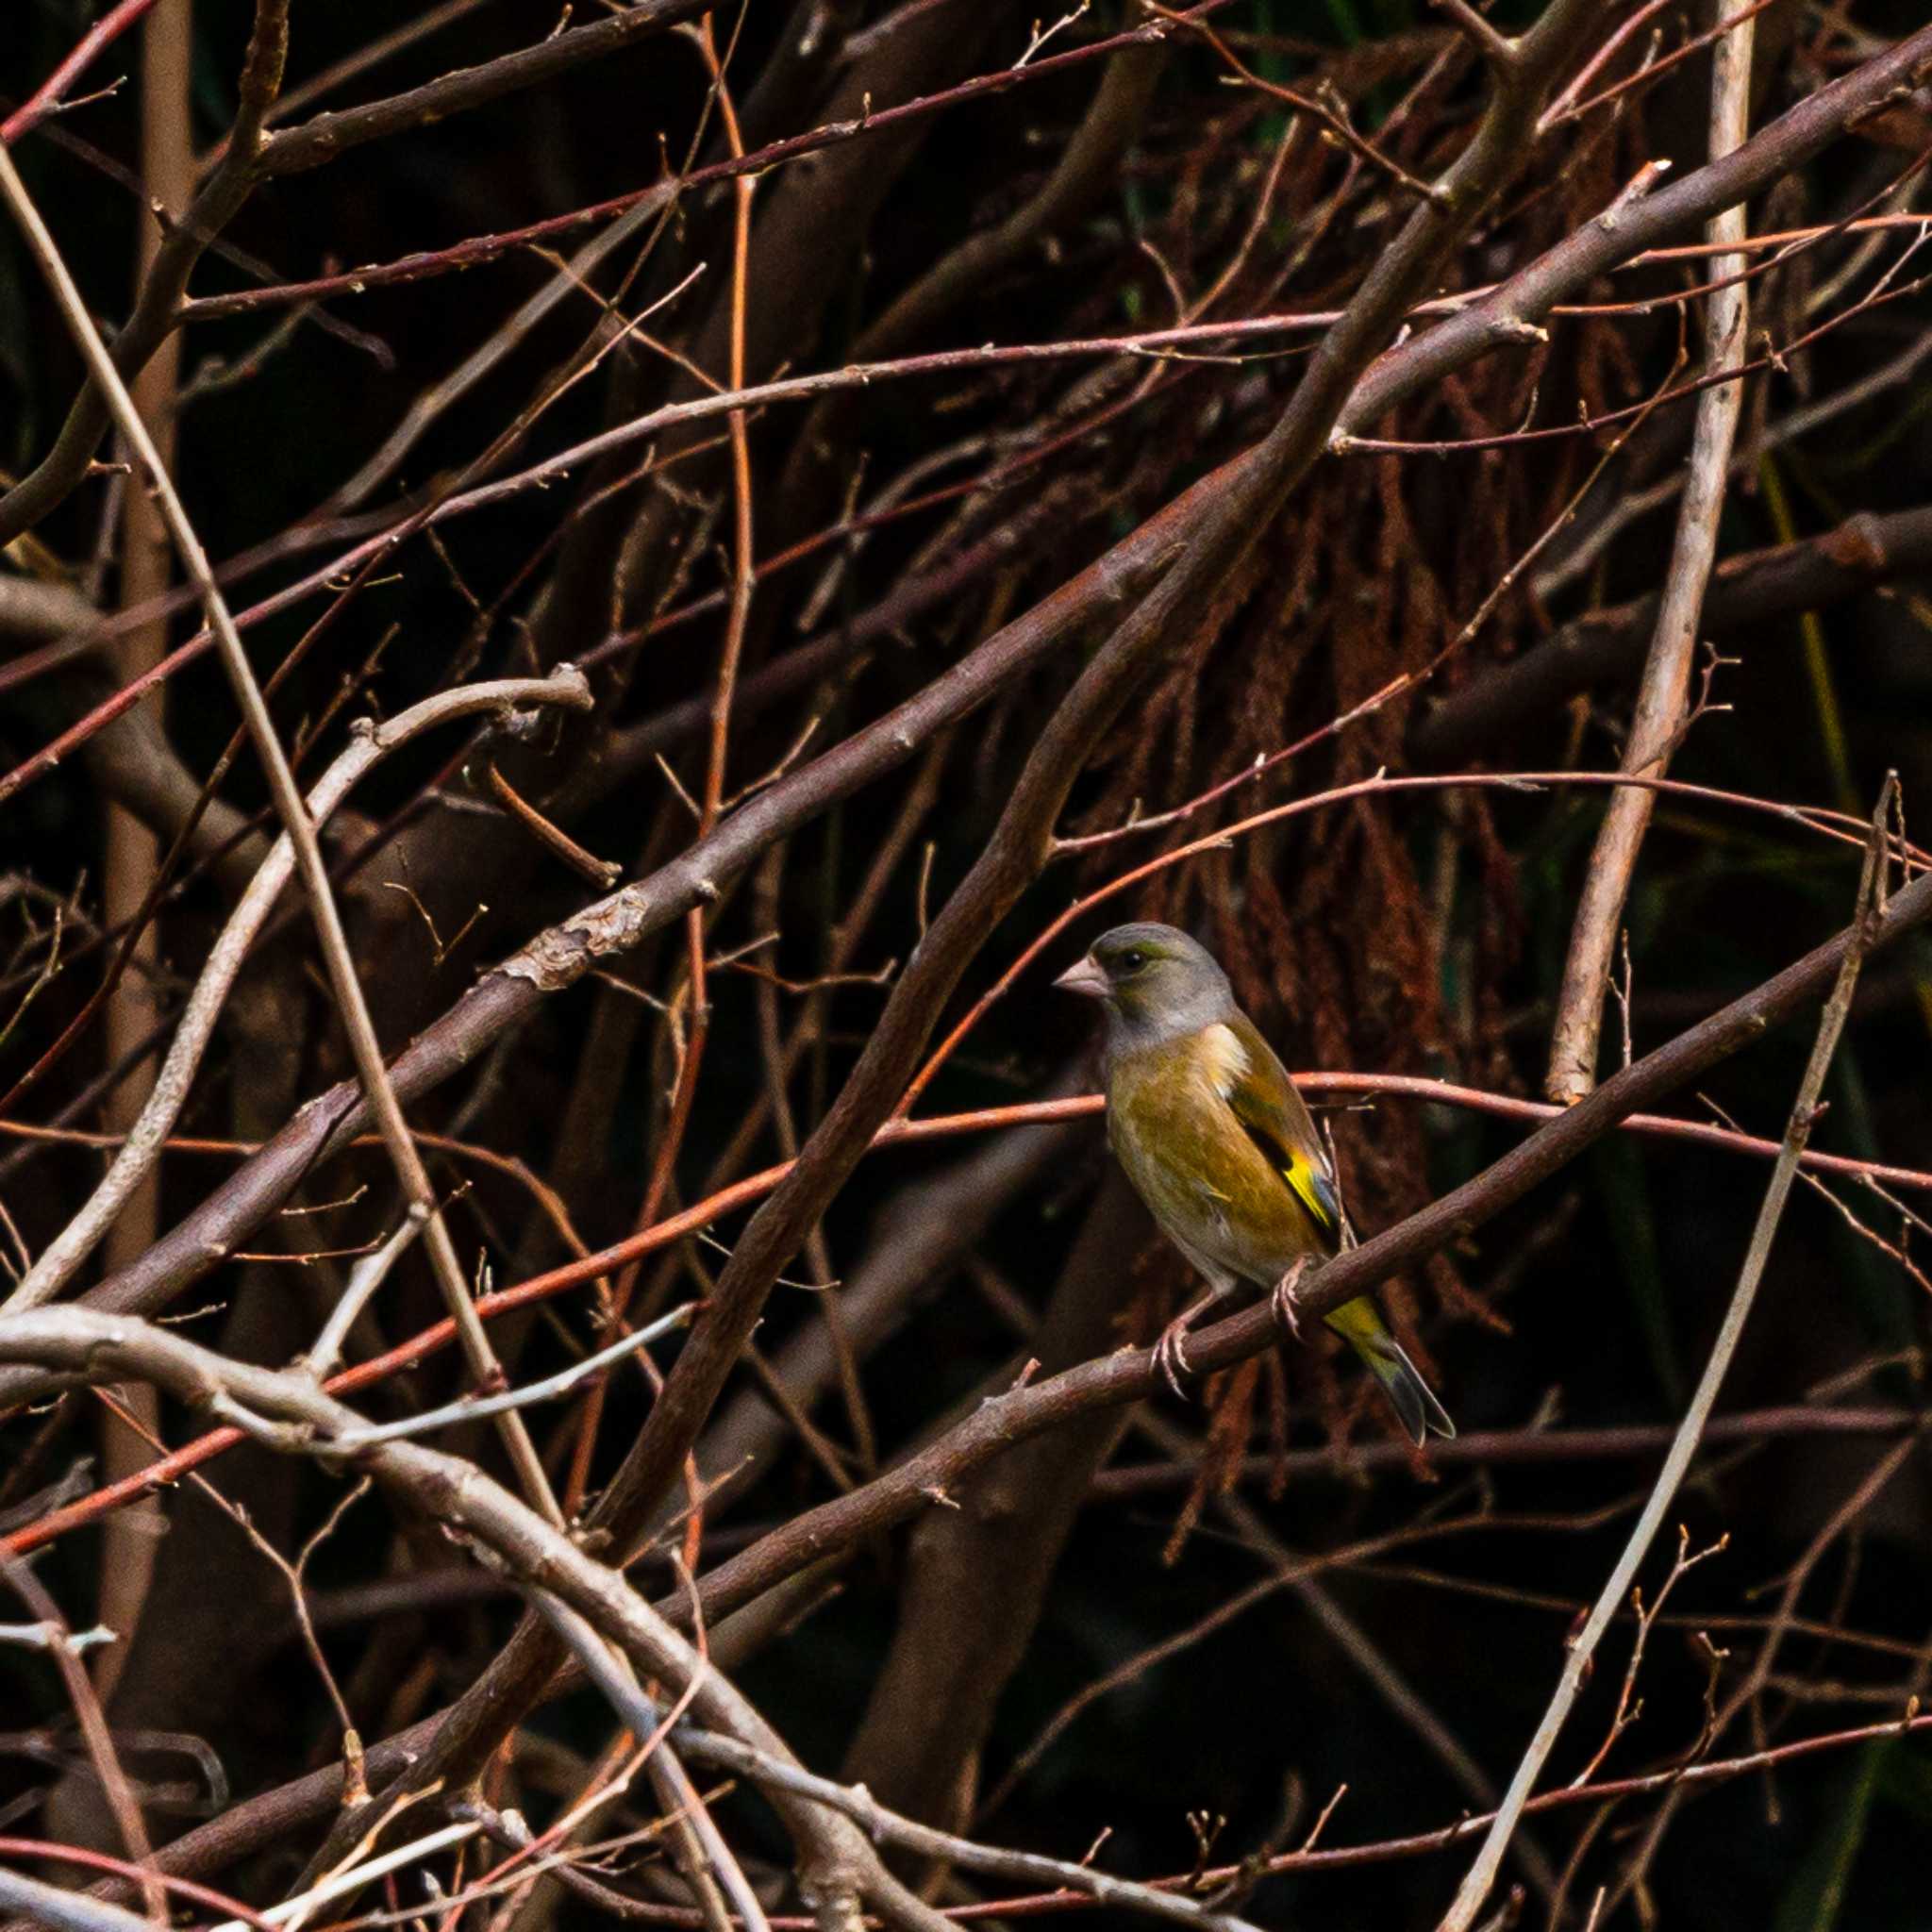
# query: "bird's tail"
{"points": [[1360, 1324]]}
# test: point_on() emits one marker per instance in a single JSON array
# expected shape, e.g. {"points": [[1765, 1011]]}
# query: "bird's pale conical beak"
{"points": [[1084, 978]]}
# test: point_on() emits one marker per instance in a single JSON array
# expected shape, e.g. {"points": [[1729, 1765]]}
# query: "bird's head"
{"points": [[1154, 981]]}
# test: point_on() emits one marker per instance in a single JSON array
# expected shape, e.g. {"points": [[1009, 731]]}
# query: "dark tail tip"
{"points": [[1415, 1402]]}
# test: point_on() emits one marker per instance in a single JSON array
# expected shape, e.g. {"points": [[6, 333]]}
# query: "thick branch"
{"points": [[1745, 593], [560, 957], [312, 143], [1129, 1375], [288, 1412], [370, 743]]}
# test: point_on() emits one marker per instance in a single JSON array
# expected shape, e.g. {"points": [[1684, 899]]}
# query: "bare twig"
{"points": [[46, 98], [1871, 907], [144, 1145], [223, 195], [612, 1674], [560, 958], [286, 1413], [297, 825], [602, 872], [1662, 702], [1627, 1711], [469, 1408], [93, 1720], [881, 1826], [293, 1913], [368, 1274]]}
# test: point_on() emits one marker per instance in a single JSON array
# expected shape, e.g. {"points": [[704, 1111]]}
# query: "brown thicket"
{"points": [[592, 604]]}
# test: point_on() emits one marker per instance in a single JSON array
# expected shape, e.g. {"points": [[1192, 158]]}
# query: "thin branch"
{"points": [[663, 194], [93, 1720], [1350, 1858], [1339, 130], [227, 188], [293, 1911], [559, 957], [882, 1827], [285, 1411], [743, 562], [104, 1861], [1791, 427], [371, 54], [370, 743], [1729, 25], [1657, 724], [1504, 323], [350, 1000], [602, 872], [1495, 47], [1225, 836], [46, 98], [471, 1409], [48, 1636], [1508, 1448], [612, 1674], [1747, 591], [368, 1274], [63, 1910], [1869, 913]]}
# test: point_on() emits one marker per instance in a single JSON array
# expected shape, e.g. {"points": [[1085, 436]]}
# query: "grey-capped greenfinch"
{"points": [[1211, 1130]]}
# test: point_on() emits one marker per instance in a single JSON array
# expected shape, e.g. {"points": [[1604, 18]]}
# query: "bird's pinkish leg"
{"points": [[1170, 1352], [1284, 1301]]}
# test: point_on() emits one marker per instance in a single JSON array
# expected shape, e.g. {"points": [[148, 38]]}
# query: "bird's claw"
{"points": [[1285, 1303], [1171, 1355]]}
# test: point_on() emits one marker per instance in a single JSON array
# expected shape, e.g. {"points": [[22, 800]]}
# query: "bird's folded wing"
{"points": [[1276, 1119]]}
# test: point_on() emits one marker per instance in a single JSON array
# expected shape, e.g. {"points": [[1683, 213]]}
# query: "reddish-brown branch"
{"points": [[1127, 1375], [46, 98], [1348, 1857], [483, 248], [503, 998], [91, 1860]]}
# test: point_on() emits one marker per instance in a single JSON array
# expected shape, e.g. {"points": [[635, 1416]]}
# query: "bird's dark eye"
{"points": [[1133, 960]]}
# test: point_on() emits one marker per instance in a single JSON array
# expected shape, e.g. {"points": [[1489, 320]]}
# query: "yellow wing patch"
{"points": [[1312, 1190]]}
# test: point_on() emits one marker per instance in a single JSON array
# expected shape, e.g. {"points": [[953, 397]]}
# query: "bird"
{"points": [[1209, 1129]]}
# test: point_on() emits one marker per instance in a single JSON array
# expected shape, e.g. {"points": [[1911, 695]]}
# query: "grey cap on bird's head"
{"points": [[1154, 979]]}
